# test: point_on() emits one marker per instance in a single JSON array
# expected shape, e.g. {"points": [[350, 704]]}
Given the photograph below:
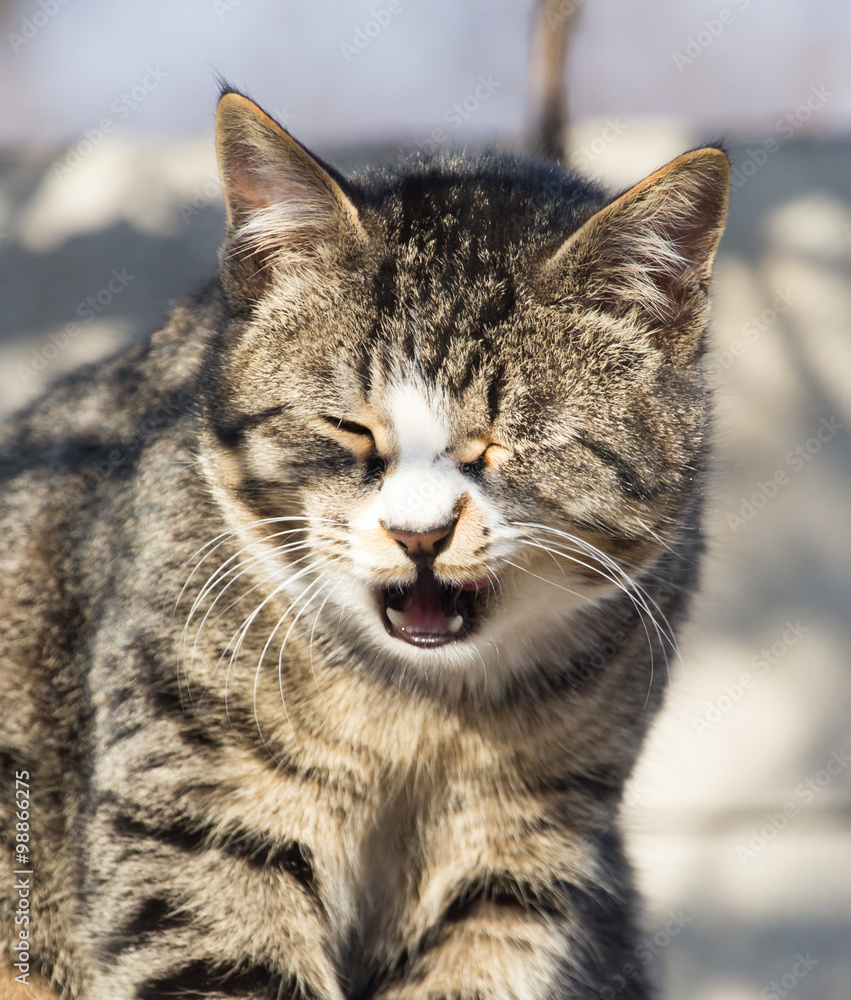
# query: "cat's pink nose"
{"points": [[428, 542]]}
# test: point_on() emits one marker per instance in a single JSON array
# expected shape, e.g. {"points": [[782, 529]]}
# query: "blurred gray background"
{"points": [[740, 813]]}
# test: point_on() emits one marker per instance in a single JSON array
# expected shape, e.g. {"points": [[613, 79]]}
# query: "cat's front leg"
{"points": [[174, 911], [505, 950], [491, 953], [527, 931], [159, 956]]}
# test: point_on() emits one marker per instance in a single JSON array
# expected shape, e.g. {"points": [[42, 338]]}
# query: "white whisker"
{"points": [[247, 563], [631, 584], [241, 633], [236, 567], [313, 633], [639, 603], [610, 570], [258, 669], [222, 538]]}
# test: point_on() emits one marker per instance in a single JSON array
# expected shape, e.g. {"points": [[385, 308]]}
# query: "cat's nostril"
{"points": [[429, 542]]}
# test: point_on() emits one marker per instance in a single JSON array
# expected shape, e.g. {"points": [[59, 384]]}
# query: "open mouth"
{"points": [[430, 613]]}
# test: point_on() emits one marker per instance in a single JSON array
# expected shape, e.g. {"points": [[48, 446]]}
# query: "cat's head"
{"points": [[458, 401]]}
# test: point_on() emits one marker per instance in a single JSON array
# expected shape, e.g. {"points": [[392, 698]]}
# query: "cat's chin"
{"points": [[428, 613]]}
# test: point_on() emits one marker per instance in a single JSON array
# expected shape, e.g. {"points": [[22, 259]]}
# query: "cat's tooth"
{"points": [[399, 618], [456, 623]]}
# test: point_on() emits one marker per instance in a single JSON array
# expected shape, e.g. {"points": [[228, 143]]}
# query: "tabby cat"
{"points": [[333, 618]]}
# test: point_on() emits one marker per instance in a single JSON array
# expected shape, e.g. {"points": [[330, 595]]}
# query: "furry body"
{"points": [[273, 791]]}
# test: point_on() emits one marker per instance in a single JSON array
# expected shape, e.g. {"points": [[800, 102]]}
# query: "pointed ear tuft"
{"points": [[285, 211], [650, 252]]}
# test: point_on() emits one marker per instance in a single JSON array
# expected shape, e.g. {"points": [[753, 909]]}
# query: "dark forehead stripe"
{"points": [[363, 365], [471, 369], [453, 233], [499, 302], [495, 390], [434, 205], [450, 332], [386, 287]]}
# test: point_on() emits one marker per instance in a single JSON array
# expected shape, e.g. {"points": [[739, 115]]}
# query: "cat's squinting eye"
{"points": [[349, 427], [489, 457], [361, 442]]}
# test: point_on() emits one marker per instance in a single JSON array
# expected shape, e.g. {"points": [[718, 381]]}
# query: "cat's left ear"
{"points": [[285, 210], [649, 254]]}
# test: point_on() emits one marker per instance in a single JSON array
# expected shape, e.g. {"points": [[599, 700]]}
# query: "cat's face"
{"points": [[456, 404]]}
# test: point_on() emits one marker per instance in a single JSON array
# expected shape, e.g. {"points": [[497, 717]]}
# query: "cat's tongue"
{"points": [[420, 610]]}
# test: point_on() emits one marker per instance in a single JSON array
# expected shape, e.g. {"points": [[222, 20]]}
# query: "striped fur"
{"points": [[244, 782]]}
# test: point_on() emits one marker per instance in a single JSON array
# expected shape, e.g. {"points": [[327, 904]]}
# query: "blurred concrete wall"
{"points": [[344, 71]]}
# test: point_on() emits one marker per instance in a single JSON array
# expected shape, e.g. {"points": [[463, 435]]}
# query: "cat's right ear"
{"points": [[286, 213], [647, 257]]}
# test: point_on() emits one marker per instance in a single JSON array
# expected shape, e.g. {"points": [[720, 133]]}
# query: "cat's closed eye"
{"points": [[349, 427], [362, 442], [490, 456]]}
